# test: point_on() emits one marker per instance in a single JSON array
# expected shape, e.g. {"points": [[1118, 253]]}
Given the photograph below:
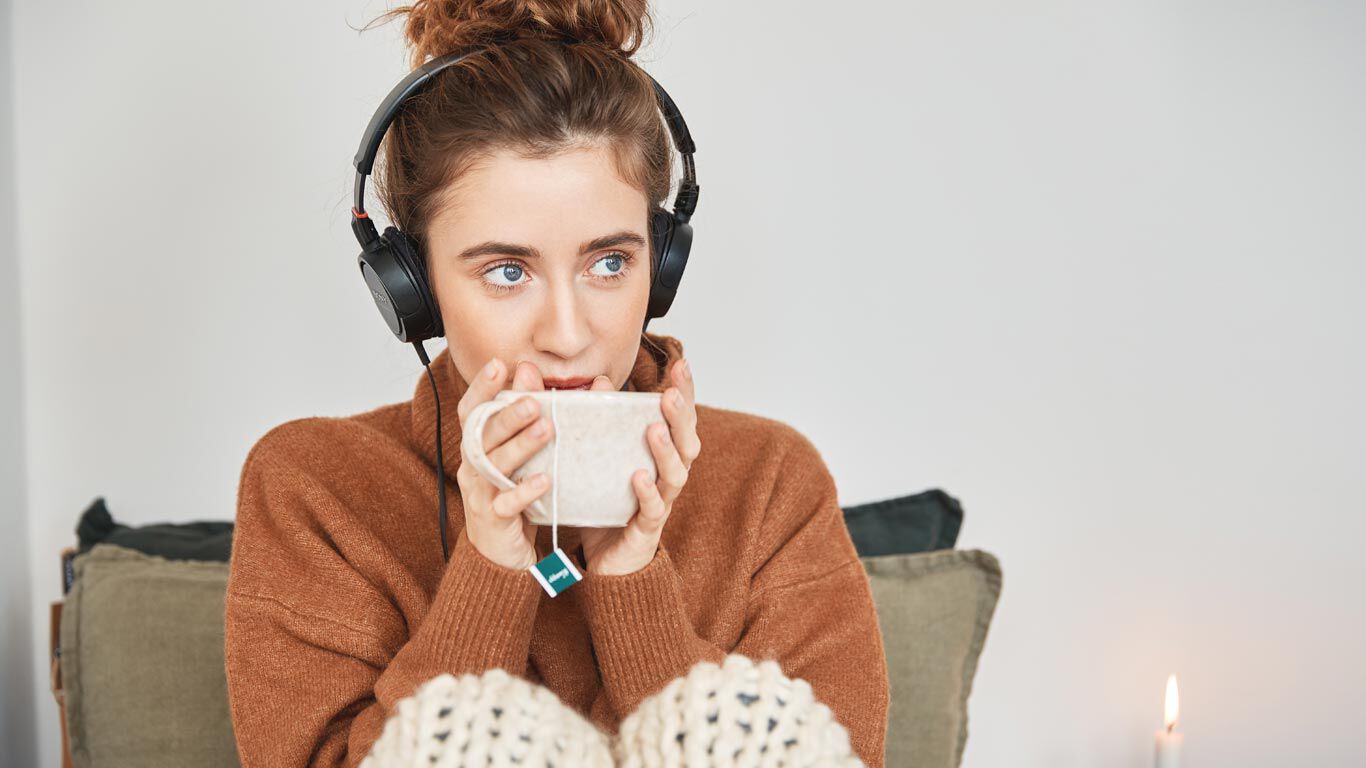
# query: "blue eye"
{"points": [[510, 270], [616, 262], [617, 266]]}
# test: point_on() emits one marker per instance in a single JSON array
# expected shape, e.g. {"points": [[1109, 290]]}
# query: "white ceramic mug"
{"points": [[599, 441]]}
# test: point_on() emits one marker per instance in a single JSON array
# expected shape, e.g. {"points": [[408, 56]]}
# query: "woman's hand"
{"points": [[494, 521], [617, 551]]}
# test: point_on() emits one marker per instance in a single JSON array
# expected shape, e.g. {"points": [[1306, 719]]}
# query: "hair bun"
{"points": [[438, 27]]}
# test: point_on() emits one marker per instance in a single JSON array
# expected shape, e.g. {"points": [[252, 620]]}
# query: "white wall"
{"points": [[17, 644], [1100, 267]]}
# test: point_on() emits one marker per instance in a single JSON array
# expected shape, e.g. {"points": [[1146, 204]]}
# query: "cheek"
{"points": [[640, 288], [450, 288], [467, 309]]}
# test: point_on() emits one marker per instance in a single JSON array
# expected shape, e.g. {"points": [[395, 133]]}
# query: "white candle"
{"points": [[1168, 740]]}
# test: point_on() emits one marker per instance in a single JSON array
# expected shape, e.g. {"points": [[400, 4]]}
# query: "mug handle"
{"points": [[473, 450]]}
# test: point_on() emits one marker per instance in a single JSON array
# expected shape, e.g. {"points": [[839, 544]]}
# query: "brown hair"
{"points": [[556, 75]]}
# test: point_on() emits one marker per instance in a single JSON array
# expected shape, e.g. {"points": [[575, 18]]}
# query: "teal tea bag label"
{"points": [[556, 573]]}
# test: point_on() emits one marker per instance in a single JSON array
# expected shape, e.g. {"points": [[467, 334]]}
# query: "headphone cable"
{"points": [[440, 463]]}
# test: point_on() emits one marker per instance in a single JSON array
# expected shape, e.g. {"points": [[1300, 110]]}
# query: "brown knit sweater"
{"points": [[339, 603]]}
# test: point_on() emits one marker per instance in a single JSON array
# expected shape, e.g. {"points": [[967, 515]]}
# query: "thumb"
{"points": [[527, 377], [602, 384]]}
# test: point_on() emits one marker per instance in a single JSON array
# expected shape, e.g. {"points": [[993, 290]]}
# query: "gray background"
{"points": [[1094, 268]]}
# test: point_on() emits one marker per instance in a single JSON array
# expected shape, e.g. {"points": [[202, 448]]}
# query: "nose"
{"points": [[562, 327]]}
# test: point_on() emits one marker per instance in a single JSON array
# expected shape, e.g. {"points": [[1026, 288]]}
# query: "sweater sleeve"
{"points": [[317, 654], [810, 608], [811, 604], [641, 632]]}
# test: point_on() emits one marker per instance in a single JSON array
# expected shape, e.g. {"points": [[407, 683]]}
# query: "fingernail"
{"points": [[491, 369], [540, 480], [687, 374], [678, 399]]}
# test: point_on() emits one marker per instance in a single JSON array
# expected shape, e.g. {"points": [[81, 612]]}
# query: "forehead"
{"points": [[560, 197]]}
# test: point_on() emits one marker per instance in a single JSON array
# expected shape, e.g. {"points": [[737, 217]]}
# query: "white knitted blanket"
{"points": [[736, 714]]}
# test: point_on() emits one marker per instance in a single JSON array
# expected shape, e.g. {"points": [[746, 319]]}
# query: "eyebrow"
{"points": [[495, 247]]}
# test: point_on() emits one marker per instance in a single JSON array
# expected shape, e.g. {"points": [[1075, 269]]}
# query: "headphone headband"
{"points": [[685, 202]]}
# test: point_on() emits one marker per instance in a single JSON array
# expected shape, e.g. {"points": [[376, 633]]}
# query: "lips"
{"points": [[582, 382]]}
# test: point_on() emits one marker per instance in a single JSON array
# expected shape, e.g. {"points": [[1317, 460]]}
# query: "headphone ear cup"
{"points": [[392, 268], [417, 264], [411, 255], [672, 241]]}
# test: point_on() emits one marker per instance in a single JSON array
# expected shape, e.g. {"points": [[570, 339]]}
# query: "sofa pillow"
{"points": [[142, 662], [199, 540], [150, 689], [934, 609], [920, 522]]}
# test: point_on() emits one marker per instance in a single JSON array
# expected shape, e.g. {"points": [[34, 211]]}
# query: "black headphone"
{"points": [[394, 268], [393, 265]]}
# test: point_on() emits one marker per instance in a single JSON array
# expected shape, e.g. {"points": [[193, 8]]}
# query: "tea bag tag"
{"points": [[556, 573]]}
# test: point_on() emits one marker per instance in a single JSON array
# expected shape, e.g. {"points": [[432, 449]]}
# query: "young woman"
{"points": [[526, 175]]}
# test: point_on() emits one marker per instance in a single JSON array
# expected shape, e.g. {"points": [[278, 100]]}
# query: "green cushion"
{"points": [[149, 689], [934, 609], [918, 522], [142, 662]]}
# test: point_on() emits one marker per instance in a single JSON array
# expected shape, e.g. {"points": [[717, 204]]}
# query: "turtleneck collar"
{"points": [[656, 354]]}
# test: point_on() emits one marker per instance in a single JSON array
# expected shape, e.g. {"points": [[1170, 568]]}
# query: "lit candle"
{"points": [[1168, 740]]}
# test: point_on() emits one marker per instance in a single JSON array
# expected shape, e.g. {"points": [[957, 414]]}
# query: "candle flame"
{"points": [[1173, 703]]}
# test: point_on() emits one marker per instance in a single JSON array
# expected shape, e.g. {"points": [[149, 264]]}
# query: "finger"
{"points": [[648, 521], [682, 420], [672, 473], [466, 477], [506, 423], [512, 502], [486, 383], [477, 492], [680, 375], [527, 377], [514, 452], [602, 384]]}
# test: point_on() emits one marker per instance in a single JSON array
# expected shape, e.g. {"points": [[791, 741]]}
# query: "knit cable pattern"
{"points": [[737, 714], [492, 719]]}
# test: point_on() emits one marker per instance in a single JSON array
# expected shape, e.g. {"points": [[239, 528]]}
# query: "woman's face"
{"points": [[545, 261]]}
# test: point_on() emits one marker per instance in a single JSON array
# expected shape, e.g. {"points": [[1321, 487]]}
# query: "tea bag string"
{"points": [[555, 489]]}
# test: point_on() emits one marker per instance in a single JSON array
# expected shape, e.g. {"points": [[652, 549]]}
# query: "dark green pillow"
{"points": [[920, 522], [200, 540]]}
